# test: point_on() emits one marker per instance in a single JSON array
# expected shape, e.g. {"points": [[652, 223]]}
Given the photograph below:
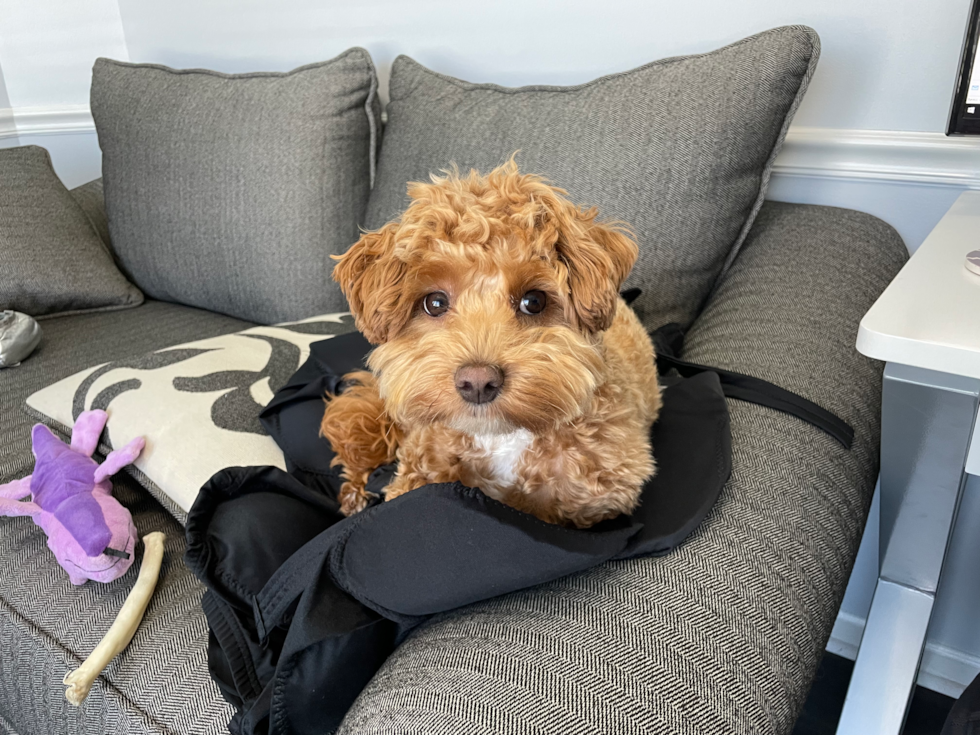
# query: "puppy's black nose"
{"points": [[479, 383]]}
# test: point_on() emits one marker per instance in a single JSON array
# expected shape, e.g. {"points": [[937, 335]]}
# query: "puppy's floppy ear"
{"points": [[598, 257], [373, 280]]}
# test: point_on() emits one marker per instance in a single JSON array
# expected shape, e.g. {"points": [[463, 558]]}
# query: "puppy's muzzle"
{"points": [[479, 383]]}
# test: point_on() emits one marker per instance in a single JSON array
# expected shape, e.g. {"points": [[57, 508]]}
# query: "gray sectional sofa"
{"points": [[724, 634]]}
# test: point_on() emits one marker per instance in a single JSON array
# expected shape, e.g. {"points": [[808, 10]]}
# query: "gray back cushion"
{"points": [[231, 191], [52, 260], [681, 149], [91, 199]]}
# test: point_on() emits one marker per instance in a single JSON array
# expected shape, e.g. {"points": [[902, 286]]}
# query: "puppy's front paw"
{"points": [[358, 427], [353, 498]]}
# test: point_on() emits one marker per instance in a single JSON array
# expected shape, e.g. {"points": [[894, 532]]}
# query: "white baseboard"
{"points": [[943, 670], [7, 127], [882, 156], [45, 121]]}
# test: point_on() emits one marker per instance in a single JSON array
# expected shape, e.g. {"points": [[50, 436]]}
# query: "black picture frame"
{"points": [[961, 121]]}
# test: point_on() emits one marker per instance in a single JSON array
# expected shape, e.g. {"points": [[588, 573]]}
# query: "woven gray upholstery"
{"points": [[161, 683], [724, 634], [90, 198], [230, 191], [6, 728], [679, 149]]}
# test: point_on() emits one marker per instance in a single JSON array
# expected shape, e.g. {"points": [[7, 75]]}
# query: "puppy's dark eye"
{"points": [[436, 303], [533, 302]]}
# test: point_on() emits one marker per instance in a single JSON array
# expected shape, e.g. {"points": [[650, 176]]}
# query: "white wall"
{"points": [[886, 67], [47, 48]]}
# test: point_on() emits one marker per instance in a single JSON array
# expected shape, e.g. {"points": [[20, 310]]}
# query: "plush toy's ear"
{"points": [[372, 278], [88, 428], [119, 459], [598, 258], [45, 444]]}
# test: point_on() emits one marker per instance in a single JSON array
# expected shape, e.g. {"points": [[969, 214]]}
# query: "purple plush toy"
{"points": [[90, 533]]}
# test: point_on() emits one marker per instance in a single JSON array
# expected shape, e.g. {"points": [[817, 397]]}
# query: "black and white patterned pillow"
{"points": [[197, 404]]}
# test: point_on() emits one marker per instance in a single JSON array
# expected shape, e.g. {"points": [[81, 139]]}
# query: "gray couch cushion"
{"points": [[680, 149], [90, 198], [230, 192], [47, 626], [724, 634], [51, 258]]}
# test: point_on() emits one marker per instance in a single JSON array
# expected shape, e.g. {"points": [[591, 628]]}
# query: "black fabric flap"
{"points": [[444, 546], [691, 444], [692, 447], [246, 523]]}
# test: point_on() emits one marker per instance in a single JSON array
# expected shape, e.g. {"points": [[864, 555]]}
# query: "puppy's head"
{"points": [[485, 300]]}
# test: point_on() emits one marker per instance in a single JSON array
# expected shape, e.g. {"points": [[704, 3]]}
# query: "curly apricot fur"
{"points": [[364, 437], [567, 437]]}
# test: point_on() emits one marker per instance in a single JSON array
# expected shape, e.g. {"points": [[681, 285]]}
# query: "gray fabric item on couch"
{"points": [[230, 191], [47, 625], [52, 260], [680, 149], [724, 634], [91, 199]]}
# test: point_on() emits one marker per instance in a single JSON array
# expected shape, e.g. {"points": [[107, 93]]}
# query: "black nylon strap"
{"points": [[668, 341], [756, 390]]}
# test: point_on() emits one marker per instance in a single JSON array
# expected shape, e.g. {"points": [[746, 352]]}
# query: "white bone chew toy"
{"points": [[124, 627]]}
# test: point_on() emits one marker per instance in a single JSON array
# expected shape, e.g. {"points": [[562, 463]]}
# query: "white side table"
{"points": [[926, 327]]}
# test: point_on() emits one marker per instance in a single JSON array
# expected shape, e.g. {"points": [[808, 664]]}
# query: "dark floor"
{"points": [[823, 706]]}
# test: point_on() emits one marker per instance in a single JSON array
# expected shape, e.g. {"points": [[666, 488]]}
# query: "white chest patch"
{"points": [[505, 452]]}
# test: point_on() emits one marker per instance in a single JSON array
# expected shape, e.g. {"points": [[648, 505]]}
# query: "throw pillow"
{"points": [[92, 201], [681, 150], [52, 261], [230, 191], [196, 404]]}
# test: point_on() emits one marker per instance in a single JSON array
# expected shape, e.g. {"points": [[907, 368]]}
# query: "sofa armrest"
{"points": [[789, 307], [788, 311]]}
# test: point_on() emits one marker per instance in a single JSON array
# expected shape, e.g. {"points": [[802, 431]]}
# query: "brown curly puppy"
{"points": [[506, 359]]}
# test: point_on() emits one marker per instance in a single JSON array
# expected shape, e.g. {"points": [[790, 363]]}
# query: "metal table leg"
{"points": [[926, 421]]}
